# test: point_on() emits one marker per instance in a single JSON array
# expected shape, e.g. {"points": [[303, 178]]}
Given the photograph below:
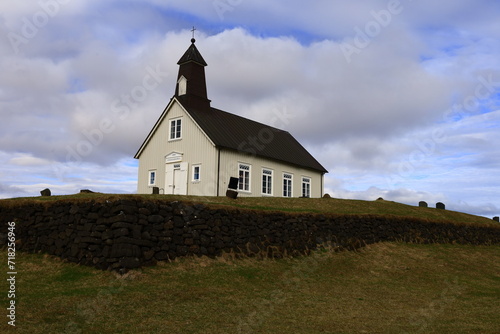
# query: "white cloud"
{"points": [[28, 160]]}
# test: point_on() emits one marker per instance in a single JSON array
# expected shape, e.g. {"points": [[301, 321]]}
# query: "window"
{"points": [[244, 177], [182, 85], [152, 178], [287, 185], [175, 128], [306, 187], [196, 173], [267, 182]]}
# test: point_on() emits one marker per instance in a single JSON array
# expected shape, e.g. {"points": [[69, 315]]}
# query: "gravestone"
{"points": [[423, 204], [86, 191], [233, 183], [45, 192], [231, 193], [497, 219], [327, 196], [156, 191], [440, 206]]}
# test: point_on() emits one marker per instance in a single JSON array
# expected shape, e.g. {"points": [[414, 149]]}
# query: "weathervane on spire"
{"points": [[193, 30]]}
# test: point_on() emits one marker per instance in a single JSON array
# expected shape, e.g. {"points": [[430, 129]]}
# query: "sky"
{"points": [[396, 99]]}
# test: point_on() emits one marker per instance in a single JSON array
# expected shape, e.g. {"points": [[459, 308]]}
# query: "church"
{"points": [[196, 149]]}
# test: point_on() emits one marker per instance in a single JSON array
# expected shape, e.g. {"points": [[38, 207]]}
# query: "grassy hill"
{"points": [[297, 205], [382, 288]]}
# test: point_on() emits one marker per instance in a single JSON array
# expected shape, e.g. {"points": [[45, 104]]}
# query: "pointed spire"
{"points": [[192, 54]]}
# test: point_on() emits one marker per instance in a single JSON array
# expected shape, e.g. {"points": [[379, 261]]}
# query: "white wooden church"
{"points": [[195, 149]]}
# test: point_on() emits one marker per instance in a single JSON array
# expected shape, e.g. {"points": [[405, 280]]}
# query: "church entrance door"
{"points": [[176, 178]]}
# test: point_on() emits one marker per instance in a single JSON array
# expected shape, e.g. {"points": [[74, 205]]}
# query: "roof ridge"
{"points": [[250, 120]]}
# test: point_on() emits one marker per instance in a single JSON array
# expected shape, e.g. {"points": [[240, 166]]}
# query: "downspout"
{"points": [[218, 171], [322, 185]]}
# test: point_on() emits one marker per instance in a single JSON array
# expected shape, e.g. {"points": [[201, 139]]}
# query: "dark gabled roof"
{"points": [[237, 133], [192, 54]]}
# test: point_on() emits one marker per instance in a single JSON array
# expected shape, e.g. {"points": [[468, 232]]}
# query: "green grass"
{"points": [[291, 205], [382, 288]]}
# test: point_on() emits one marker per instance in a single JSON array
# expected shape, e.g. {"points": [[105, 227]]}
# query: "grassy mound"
{"points": [[311, 205], [383, 288]]}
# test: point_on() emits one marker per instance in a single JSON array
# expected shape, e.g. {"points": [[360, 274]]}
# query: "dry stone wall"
{"points": [[124, 234]]}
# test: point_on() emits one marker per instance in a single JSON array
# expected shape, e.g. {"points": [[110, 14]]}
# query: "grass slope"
{"points": [[383, 288], [293, 205]]}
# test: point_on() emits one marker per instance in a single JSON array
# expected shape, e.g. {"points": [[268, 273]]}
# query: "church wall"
{"points": [[195, 147], [230, 161]]}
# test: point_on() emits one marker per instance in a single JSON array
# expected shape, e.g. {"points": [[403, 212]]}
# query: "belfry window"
{"points": [[182, 85]]}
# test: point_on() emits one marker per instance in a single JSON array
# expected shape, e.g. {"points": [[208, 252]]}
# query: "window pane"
{"points": [[240, 180], [172, 130], [178, 128]]}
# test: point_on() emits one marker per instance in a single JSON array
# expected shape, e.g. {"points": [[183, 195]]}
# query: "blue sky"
{"points": [[397, 99]]}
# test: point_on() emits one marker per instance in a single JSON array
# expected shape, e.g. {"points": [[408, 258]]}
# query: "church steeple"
{"points": [[191, 83]]}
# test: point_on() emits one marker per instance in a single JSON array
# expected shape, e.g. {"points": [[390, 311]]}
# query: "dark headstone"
{"points": [[327, 196], [231, 194], [440, 206], [86, 191], [380, 199], [233, 183], [45, 192], [422, 204], [156, 191], [497, 219]]}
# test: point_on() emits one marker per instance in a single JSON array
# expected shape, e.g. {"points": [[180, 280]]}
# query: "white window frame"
{"points": [[245, 168], [267, 182], [193, 169], [287, 186], [178, 123], [306, 180], [152, 172]]}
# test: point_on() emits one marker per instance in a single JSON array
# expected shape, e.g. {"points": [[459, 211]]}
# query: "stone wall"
{"points": [[123, 234]]}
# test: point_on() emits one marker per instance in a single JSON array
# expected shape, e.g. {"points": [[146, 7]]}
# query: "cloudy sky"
{"points": [[397, 99]]}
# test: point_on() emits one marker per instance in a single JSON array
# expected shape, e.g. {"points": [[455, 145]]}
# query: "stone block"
{"points": [[161, 255], [440, 206], [231, 194], [497, 219], [45, 192], [124, 250], [129, 262], [422, 204], [156, 219]]}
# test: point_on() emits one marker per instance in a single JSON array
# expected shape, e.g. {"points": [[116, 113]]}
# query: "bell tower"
{"points": [[191, 86]]}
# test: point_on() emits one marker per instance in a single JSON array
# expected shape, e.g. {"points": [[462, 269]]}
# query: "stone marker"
{"points": [[497, 219], [45, 192], [423, 204], [233, 183], [86, 191], [327, 196], [440, 206], [231, 194], [156, 191]]}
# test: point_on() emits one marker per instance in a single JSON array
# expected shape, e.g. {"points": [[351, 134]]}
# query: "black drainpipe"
{"points": [[218, 170]]}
